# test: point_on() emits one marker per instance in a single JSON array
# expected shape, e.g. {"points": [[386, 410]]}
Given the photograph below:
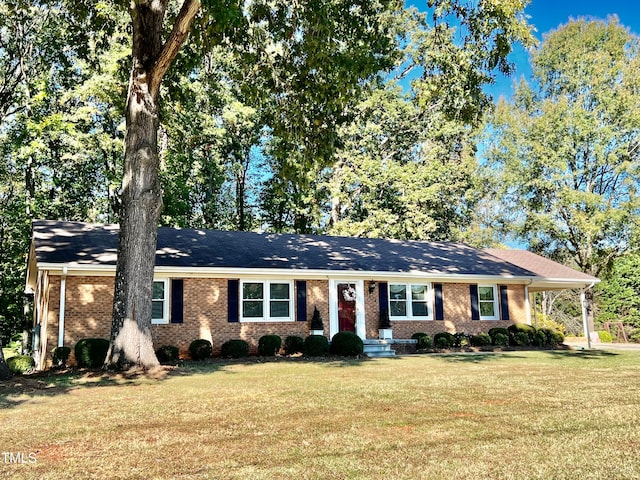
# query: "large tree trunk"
{"points": [[131, 340]]}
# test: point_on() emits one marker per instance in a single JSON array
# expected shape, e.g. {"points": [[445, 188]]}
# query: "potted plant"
{"points": [[384, 331], [316, 327]]}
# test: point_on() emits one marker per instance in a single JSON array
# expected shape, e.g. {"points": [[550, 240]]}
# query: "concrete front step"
{"points": [[378, 348]]}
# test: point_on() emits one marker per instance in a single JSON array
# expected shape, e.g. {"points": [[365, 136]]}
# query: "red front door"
{"points": [[346, 307]]}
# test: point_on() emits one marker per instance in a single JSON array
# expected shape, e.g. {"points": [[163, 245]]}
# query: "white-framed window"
{"points": [[160, 302], [488, 302], [266, 301], [410, 301]]}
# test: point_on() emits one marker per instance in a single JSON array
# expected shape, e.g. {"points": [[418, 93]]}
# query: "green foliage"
{"points": [[200, 349], [21, 364], [563, 153], [480, 340], [500, 339], [425, 342], [269, 345], [91, 352], [443, 340], [234, 349], [61, 356], [540, 339], [293, 344], [520, 339], [346, 344], [604, 336], [498, 331], [316, 346], [521, 334], [316, 320], [619, 293], [168, 354]]}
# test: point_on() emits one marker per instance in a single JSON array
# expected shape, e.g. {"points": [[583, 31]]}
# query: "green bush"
{"points": [[521, 328], [605, 337], [443, 340], [425, 342], [501, 340], [498, 331], [480, 340], [520, 339], [200, 349], [316, 346], [346, 344], [557, 338], [540, 339], [91, 352], [167, 354], [61, 356], [460, 340], [293, 345], [234, 349], [316, 320], [269, 345], [21, 364]]}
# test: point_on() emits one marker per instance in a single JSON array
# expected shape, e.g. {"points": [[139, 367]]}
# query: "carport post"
{"points": [[585, 321]]}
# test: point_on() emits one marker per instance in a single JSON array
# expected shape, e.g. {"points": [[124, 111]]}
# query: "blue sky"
{"points": [[547, 15]]}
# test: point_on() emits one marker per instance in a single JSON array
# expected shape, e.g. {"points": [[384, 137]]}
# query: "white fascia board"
{"points": [[311, 274]]}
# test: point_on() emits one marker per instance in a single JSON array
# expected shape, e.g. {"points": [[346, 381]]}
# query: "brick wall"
{"points": [[89, 303]]}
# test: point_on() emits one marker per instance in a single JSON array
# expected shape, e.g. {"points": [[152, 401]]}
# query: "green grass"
{"points": [[517, 415]]}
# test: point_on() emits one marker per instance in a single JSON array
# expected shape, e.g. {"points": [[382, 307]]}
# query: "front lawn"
{"points": [[515, 415]]}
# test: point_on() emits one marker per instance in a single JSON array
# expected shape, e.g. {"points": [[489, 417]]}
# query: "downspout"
{"points": [[585, 320], [63, 294]]}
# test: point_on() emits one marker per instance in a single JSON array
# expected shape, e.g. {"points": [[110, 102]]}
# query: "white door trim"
{"points": [[361, 329]]}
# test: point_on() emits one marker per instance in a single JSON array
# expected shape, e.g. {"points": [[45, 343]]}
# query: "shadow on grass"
{"points": [[50, 383], [584, 354], [475, 357]]}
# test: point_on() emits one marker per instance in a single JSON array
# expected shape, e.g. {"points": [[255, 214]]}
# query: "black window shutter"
{"points": [[233, 291], [301, 300], [383, 297], [504, 302], [439, 304], [177, 300], [475, 307]]}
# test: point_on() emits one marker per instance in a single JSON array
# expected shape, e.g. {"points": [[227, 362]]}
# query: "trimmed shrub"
{"points": [[293, 345], [523, 328], [167, 354], [346, 344], [460, 340], [557, 338], [316, 346], [61, 356], [443, 340], [540, 339], [425, 342], [605, 337], [200, 349], [520, 339], [501, 340], [234, 349], [498, 330], [21, 364], [480, 340], [316, 320], [269, 345], [91, 352]]}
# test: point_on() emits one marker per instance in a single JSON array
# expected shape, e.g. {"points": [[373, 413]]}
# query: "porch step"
{"points": [[378, 348]]}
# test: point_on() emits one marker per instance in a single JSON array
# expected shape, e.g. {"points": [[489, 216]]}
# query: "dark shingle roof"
{"points": [[92, 244]]}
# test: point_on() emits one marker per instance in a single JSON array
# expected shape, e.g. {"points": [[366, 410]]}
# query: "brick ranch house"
{"points": [[224, 285]]}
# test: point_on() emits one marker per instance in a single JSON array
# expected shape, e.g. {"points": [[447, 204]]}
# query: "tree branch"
{"points": [[173, 44]]}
